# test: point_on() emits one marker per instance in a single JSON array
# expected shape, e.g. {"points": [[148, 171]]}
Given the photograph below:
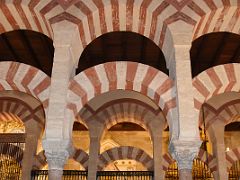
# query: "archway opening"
{"points": [[22, 121], [231, 136], [80, 136], [232, 148], [218, 118], [127, 134]]}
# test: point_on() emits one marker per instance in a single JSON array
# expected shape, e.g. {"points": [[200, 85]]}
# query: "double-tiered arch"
{"points": [[24, 78], [126, 76], [125, 152], [214, 81], [24, 15]]}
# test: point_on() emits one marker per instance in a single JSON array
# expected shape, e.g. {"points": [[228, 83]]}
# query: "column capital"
{"points": [[57, 152], [184, 152], [56, 160]]}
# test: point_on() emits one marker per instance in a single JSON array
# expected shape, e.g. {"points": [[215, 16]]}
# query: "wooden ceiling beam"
{"points": [[123, 47], [48, 48], [194, 64], [236, 55], [31, 51], [10, 47], [219, 50], [143, 49], [104, 48], [159, 60]]}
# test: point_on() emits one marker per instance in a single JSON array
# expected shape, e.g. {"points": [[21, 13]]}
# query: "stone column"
{"points": [[95, 132], [157, 157], [29, 152], [58, 125], [156, 125], [93, 157], [58, 130], [184, 152], [216, 135], [57, 153], [187, 114], [33, 131], [184, 145]]}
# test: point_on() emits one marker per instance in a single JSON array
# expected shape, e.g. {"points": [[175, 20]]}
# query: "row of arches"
{"points": [[40, 90], [149, 24], [94, 18]]}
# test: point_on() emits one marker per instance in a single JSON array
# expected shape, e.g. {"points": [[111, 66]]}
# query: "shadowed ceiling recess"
{"points": [[122, 46], [28, 47]]}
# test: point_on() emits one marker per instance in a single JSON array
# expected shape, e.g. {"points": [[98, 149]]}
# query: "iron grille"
{"points": [[200, 171], [11, 155], [67, 175], [125, 175], [234, 173]]}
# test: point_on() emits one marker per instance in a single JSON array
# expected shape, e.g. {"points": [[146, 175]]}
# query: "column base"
{"points": [[185, 174], [55, 174]]}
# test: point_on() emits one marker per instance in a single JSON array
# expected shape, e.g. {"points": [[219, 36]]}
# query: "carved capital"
{"points": [[184, 152], [57, 152], [56, 160]]}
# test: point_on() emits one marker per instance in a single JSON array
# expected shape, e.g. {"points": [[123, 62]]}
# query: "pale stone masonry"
{"points": [[172, 25]]}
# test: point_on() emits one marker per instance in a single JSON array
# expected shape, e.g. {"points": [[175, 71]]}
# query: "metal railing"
{"points": [[125, 175], [67, 175], [234, 173], [101, 175], [200, 171], [10, 169], [11, 153]]}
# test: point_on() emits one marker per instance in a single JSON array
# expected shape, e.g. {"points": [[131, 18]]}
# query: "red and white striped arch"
{"points": [[24, 78], [213, 16], [122, 75], [214, 81], [82, 157], [147, 17], [122, 110], [22, 14], [21, 109], [125, 152], [227, 113], [230, 111], [232, 156], [97, 17], [118, 113], [219, 20]]}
